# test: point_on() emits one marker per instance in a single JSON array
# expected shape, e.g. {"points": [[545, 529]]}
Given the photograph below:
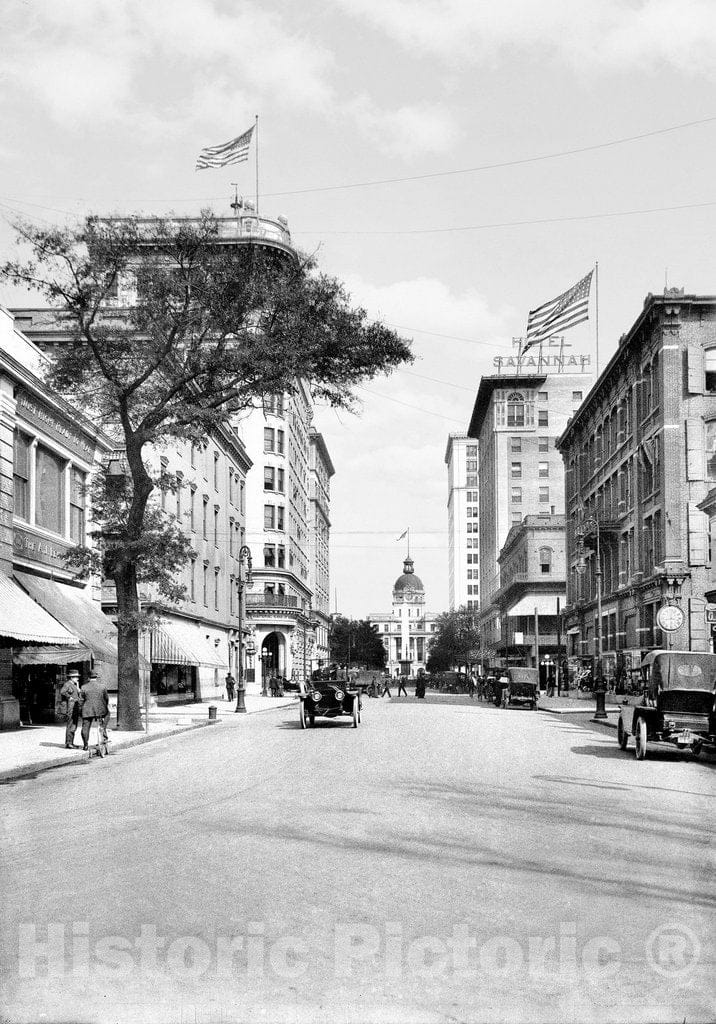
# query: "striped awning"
{"points": [[75, 609], [178, 642], [25, 620], [166, 650]]}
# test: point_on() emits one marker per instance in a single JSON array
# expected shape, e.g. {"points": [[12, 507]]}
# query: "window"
{"points": [[543, 444], [542, 396], [192, 508], [279, 518], [544, 469], [192, 457], [543, 494], [280, 442], [49, 491], [516, 470], [269, 556], [515, 410], [205, 518], [269, 478], [232, 530], [542, 418], [217, 572], [77, 505], [281, 559], [180, 483], [471, 481], [471, 466], [471, 451], [710, 367], [231, 595], [205, 583], [576, 396], [216, 471], [216, 526], [242, 496], [21, 475], [515, 444], [545, 559], [269, 439], [516, 495], [516, 518], [280, 485], [192, 580], [269, 517]]}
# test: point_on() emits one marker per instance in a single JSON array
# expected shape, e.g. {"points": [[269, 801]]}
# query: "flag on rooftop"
{"points": [[402, 535], [567, 310], [233, 152]]}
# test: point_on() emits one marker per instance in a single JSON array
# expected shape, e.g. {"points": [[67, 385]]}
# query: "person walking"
{"points": [[401, 686], [229, 686], [70, 694], [94, 704], [386, 687], [471, 685]]}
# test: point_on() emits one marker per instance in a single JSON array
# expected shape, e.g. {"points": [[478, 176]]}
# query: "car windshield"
{"points": [[680, 670]]}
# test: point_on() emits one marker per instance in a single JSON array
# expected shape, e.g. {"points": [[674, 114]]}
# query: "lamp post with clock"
{"points": [[670, 616]]}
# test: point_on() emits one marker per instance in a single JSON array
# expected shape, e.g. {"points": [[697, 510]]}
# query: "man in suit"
{"points": [[70, 694], [94, 703]]}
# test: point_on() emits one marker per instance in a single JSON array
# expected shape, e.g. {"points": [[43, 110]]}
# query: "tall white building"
{"points": [[407, 629], [321, 471], [461, 459]]}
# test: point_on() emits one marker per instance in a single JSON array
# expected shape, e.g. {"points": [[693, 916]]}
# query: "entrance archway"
{"points": [[272, 659]]}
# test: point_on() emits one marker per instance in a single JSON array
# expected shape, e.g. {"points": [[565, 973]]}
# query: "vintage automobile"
{"points": [[328, 695], [522, 687], [676, 704]]}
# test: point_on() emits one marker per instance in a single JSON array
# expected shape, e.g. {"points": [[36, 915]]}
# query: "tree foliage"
{"points": [[356, 642], [208, 330], [456, 641]]}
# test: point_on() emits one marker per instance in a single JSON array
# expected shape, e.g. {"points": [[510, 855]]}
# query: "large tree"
{"points": [[456, 641], [356, 642], [210, 329]]}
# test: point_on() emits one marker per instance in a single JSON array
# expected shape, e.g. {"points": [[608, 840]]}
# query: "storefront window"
{"points": [[77, 506], [21, 475], [49, 499]]}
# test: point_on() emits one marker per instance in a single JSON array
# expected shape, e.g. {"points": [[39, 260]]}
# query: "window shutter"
{"points": [[698, 536], [695, 468], [696, 370], [698, 637]]}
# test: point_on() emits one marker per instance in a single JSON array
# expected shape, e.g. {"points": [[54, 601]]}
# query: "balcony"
{"points": [[265, 600], [247, 227]]}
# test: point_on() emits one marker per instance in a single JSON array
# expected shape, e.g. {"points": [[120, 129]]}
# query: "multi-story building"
{"points": [[532, 590], [407, 629], [639, 461], [50, 615], [321, 471], [516, 421], [461, 458], [278, 530]]}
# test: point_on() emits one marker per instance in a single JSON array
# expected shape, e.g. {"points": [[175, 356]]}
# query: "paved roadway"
{"points": [[452, 863]]}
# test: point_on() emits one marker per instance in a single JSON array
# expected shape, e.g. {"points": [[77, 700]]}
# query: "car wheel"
{"points": [[302, 714], [622, 736], [311, 721], [640, 738], [356, 714]]}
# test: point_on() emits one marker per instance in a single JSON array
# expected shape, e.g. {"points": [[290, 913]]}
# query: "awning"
{"points": [[46, 654], [175, 642], [23, 619], [546, 604], [78, 612]]}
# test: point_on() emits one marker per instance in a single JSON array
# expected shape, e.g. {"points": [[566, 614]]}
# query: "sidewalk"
{"points": [[575, 705], [36, 748]]}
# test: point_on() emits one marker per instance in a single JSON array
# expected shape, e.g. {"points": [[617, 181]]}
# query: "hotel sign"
{"points": [[536, 360], [42, 416], [32, 547]]}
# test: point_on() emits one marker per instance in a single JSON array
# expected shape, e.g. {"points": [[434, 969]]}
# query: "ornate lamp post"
{"points": [[245, 580], [587, 527]]}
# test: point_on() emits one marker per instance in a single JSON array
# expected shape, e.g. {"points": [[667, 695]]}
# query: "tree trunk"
{"points": [[129, 716]]}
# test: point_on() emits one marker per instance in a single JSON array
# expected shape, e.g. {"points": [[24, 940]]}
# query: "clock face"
{"points": [[669, 617]]}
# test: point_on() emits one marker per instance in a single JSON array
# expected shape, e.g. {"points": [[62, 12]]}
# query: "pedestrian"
{"points": [[386, 687], [401, 686], [70, 693], [230, 682], [94, 704], [471, 685], [373, 688]]}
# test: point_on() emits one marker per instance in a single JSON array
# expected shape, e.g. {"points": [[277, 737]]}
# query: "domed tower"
{"points": [[408, 588], [409, 610]]}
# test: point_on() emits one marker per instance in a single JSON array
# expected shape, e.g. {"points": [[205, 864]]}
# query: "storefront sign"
{"points": [[32, 547], [59, 427], [542, 364]]}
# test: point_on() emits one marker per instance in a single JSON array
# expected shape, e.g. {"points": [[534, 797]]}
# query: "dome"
{"points": [[408, 581]]}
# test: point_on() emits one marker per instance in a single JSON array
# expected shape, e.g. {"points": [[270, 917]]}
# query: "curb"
{"points": [[36, 769], [576, 711], [604, 721]]}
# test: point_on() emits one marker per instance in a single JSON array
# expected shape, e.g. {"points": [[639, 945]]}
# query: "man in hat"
{"points": [[70, 694], [94, 702]]}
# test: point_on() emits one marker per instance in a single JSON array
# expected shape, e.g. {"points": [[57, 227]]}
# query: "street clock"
{"points": [[669, 618]]}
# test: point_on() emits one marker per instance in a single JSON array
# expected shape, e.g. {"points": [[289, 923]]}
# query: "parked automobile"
{"points": [[677, 703], [328, 695], [522, 687]]}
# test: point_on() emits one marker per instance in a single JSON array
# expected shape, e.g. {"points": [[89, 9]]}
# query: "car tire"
{"points": [[622, 735], [640, 739], [302, 714], [356, 713]]}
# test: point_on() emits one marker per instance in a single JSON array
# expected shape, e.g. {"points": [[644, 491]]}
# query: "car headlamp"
{"points": [[340, 694], [316, 696]]}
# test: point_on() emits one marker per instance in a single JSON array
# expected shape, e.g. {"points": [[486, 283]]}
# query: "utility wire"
{"points": [[428, 412]]}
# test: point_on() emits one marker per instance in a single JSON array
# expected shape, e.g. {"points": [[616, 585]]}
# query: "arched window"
{"points": [[515, 410], [545, 559]]}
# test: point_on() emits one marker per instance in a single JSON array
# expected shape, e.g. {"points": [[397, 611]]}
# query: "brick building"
{"points": [[639, 463]]}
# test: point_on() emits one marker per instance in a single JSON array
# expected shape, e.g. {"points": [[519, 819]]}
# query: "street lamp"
{"points": [[587, 527], [245, 580]]}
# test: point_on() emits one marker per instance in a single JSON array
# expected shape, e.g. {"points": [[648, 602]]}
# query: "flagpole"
{"points": [[596, 308], [256, 130], [408, 542]]}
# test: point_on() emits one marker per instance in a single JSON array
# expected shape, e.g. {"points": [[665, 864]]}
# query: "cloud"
{"points": [[410, 130], [597, 34]]}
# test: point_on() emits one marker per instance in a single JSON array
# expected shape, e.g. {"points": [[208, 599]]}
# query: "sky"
{"points": [[105, 105]]}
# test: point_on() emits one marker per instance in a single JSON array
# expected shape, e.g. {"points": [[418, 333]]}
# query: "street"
{"points": [[440, 863]]}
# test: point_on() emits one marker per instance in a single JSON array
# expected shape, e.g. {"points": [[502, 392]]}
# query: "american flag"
{"points": [[234, 152], [567, 310]]}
